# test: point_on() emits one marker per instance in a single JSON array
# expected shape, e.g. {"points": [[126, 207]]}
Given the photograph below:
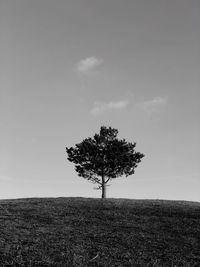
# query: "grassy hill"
{"points": [[94, 232]]}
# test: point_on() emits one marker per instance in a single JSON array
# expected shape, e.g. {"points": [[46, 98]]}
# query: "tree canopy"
{"points": [[104, 157]]}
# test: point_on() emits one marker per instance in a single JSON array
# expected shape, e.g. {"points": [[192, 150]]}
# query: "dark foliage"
{"points": [[104, 157]]}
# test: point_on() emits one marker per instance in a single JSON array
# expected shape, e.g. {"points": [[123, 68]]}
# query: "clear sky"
{"points": [[69, 67]]}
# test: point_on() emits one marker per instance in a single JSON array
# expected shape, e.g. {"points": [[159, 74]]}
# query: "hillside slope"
{"points": [[94, 232]]}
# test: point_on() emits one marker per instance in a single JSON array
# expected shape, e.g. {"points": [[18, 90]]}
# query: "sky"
{"points": [[69, 67]]}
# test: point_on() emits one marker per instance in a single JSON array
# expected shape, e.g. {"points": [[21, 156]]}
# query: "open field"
{"points": [[94, 232]]}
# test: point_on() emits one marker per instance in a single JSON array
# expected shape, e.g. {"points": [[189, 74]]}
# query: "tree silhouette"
{"points": [[104, 157]]}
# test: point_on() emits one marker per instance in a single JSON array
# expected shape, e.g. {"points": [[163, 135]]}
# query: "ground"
{"points": [[95, 232]]}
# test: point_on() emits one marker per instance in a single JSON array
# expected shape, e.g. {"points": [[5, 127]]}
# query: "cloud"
{"points": [[152, 105], [101, 107], [88, 64]]}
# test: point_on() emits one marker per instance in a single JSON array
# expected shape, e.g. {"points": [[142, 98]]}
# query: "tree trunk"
{"points": [[103, 187]]}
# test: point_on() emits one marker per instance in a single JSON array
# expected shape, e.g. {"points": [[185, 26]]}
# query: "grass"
{"points": [[94, 232]]}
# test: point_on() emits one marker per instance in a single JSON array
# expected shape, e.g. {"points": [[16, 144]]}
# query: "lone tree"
{"points": [[104, 157]]}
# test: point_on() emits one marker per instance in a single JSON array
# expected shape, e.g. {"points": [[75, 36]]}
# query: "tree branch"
{"points": [[107, 180], [95, 180]]}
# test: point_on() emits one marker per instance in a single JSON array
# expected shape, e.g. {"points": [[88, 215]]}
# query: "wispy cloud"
{"points": [[101, 107], [88, 64], [153, 105]]}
